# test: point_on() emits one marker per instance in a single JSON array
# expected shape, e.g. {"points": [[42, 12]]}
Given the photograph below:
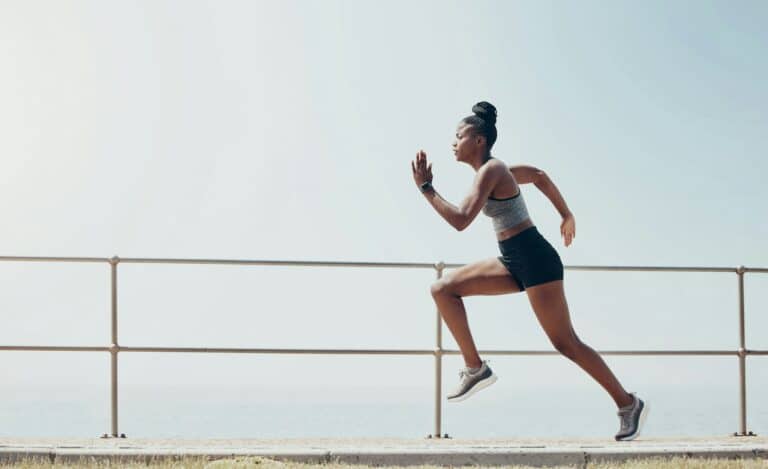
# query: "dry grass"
{"points": [[262, 463]]}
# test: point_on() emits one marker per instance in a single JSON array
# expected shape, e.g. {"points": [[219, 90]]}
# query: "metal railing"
{"points": [[742, 352]]}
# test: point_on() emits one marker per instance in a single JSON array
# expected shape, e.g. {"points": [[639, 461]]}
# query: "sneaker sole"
{"points": [[480, 385], [643, 416]]}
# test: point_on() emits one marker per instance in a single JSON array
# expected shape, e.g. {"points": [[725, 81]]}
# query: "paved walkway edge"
{"points": [[395, 457]]}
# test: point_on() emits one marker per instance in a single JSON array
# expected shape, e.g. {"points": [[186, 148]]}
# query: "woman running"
{"points": [[527, 262]]}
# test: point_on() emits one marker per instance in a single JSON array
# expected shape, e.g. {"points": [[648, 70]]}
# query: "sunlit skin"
{"points": [[490, 276]]}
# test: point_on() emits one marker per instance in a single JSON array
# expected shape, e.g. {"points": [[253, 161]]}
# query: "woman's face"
{"points": [[465, 145]]}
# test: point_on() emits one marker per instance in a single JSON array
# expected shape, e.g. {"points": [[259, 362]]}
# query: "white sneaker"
{"points": [[472, 382], [632, 419]]}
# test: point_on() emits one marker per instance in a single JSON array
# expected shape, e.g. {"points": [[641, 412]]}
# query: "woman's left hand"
{"points": [[568, 229], [422, 172]]}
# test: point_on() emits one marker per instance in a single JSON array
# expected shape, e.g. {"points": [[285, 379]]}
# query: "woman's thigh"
{"points": [[485, 277], [551, 308]]}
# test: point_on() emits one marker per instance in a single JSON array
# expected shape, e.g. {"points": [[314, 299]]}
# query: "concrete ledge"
{"points": [[396, 452], [146, 456], [484, 457]]}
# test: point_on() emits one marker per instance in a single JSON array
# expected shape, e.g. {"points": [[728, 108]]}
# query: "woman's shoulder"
{"points": [[493, 162], [496, 159], [506, 182], [497, 164]]}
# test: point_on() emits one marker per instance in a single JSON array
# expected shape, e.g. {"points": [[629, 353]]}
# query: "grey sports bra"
{"points": [[506, 213]]}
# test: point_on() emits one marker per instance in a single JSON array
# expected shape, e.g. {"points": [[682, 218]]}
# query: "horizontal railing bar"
{"points": [[52, 259], [650, 268], [52, 348], [413, 265], [605, 352], [280, 351], [418, 265], [357, 351]]}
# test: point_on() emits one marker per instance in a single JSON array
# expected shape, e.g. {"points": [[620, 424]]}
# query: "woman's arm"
{"points": [[447, 210], [529, 174], [458, 217]]}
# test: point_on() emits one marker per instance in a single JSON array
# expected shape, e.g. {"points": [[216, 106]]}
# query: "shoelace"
{"points": [[626, 419], [465, 371]]}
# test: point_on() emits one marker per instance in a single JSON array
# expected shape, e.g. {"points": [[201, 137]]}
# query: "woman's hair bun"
{"points": [[485, 111]]}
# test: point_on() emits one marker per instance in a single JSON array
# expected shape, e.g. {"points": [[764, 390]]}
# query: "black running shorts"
{"points": [[530, 258]]}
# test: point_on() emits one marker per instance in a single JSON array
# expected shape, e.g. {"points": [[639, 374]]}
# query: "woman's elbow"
{"points": [[458, 226], [541, 178], [462, 223]]}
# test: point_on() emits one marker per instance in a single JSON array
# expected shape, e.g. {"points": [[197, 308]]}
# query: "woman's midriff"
{"points": [[509, 232]]}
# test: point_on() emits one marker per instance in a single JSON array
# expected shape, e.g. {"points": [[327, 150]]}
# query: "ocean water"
{"points": [[222, 412], [175, 395]]}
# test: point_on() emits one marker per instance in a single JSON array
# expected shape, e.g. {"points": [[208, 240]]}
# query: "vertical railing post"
{"points": [[742, 359], [114, 348], [440, 266]]}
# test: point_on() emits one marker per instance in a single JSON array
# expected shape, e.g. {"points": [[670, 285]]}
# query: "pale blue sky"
{"points": [[284, 130]]}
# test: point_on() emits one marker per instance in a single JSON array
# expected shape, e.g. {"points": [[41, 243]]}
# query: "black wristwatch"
{"points": [[425, 186]]}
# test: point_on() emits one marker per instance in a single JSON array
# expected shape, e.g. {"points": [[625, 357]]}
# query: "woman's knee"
{"points": [[569, 346], [441, 287]]}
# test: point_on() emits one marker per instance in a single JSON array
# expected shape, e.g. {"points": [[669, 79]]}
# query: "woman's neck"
{"points": [[485, 159]]}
